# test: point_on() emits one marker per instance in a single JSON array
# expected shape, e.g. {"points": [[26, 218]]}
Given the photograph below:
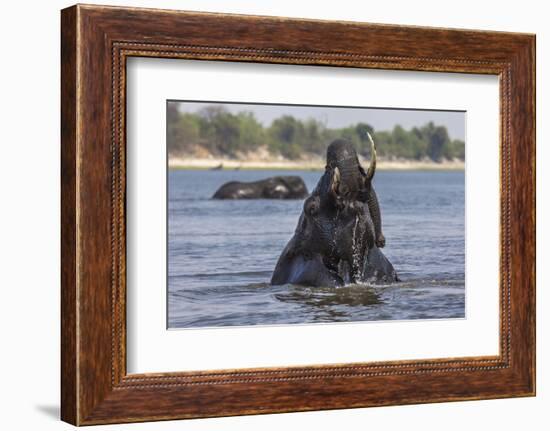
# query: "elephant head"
{"points": [[334, 228], [341, 157], [356, 183]]}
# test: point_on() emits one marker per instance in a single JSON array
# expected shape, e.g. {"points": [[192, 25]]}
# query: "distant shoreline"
{"points": [[300, 165]]}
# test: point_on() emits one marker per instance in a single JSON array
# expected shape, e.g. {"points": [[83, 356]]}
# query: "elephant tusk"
{"points": [[335, 181], [372, 166]]}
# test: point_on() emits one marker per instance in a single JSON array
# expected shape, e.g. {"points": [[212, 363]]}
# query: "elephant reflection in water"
{"points": [[339, 233]]}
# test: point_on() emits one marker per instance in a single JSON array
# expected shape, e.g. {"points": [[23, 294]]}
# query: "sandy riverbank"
{"points": [[207, 163]]}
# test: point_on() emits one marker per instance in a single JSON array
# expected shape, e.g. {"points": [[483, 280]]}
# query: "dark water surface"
{"points": [[221, 253]]}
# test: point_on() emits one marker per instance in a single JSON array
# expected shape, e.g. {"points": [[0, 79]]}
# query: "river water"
{"points": [[221, 253]]}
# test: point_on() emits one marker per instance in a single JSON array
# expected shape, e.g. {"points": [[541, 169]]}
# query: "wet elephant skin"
{"points": [[339, 237]]}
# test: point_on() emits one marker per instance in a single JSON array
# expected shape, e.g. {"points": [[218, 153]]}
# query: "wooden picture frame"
{"points": [[95, 43]]}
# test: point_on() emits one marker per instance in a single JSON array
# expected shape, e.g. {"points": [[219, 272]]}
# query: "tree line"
{"points": [[226, 134]]}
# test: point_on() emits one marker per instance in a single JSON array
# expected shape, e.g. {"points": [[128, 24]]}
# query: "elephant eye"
{"points": [[311, 207], [343, 190]]}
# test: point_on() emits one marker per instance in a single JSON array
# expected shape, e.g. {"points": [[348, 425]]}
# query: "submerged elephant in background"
{"points": [[339, 233], [283, 187]]}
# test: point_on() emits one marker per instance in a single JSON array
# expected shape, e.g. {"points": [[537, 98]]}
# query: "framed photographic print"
{"points": [[264, 214]]}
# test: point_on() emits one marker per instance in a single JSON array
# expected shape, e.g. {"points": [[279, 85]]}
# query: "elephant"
{"points": [[280, 187], [339, 237]]}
